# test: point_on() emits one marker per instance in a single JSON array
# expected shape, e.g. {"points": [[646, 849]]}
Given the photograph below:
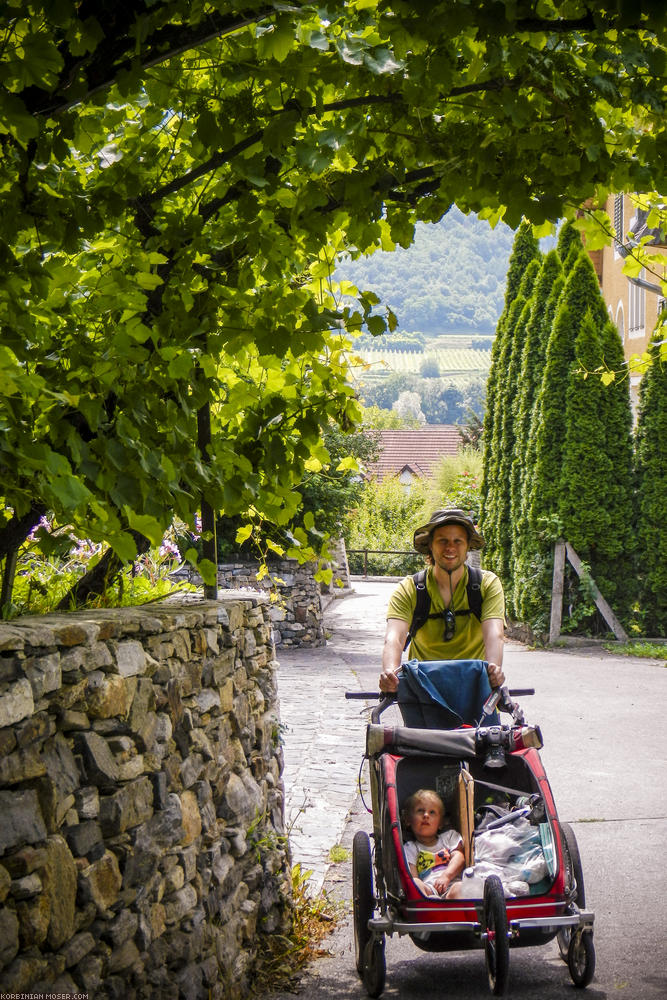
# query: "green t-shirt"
{"points": [[429, 642]]}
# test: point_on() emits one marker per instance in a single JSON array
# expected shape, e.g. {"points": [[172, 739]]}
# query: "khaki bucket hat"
{"points": [[452, 515]]}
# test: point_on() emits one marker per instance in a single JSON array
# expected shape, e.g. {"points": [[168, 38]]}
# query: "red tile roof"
{"points": [[416, 451]]}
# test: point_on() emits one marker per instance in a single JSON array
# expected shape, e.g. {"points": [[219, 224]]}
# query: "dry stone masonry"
{"points": [[142, 848], [296, 615]]}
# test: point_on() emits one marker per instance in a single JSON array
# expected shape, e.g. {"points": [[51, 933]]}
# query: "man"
{"points": [[452, 631]]}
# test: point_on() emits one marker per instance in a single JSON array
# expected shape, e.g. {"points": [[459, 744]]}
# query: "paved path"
{"points": [[323, 733], [602, 717]]}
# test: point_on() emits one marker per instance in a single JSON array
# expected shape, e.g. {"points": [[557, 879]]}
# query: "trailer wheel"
{"points": [[362, 895], [574, 878], [375, 966], [581, 958], [496, 941]]}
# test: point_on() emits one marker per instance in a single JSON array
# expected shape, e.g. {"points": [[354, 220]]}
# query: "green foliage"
{"points": [[52, 560], [175, 191], [456, 481], [439, 400], [375, 418], [651, 480], [384, 518], [524, 250], [643, 650]]}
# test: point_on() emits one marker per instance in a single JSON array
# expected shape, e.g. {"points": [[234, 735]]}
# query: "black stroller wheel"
{"points": [[375, 966], [496, 941], [581, 958], [574, 883], [362, 895]]}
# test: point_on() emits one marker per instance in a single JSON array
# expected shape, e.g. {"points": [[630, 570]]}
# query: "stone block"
{"points": [[22, 765], [87, 802], [122, 928], [191, 818], [77, 948], [9, 936], [5, 883], [60, 885], [127, 808], [82, 837], [101, 882], [130, 658], [123, 958], [73, 721], [36, 729], [130, 769], [22, 819], [101, 768], [27, 886], [34, 918], [16, 702], [44, 674], [179, 904], [108, 695], [60, 765], [190, 770]]}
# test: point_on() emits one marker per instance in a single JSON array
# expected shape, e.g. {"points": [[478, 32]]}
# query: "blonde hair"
{"points": [[424, 794]]}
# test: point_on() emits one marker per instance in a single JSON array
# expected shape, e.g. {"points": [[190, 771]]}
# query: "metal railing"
{"points": [[414, 558]]}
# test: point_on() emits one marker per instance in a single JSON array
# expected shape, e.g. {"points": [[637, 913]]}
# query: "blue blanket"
{"points": [[444, 694]]}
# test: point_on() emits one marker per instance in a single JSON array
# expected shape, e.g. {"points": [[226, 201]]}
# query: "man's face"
{"points": [[449, 546]]}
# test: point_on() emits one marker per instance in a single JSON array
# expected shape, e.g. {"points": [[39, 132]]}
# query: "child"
{"points": [[435, 856]]}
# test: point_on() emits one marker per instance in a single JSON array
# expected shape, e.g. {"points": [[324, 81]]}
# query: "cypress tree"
{"points": [[651, 480], [505, 424], [524, 250], [530, 378], [580, 296], [568, 237]]}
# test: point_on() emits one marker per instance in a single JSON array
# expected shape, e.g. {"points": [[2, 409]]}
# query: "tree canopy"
{"points": [[177, 180]]}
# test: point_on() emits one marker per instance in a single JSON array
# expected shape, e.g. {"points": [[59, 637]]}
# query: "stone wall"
{"points": [[296, 615], [142, 848]]}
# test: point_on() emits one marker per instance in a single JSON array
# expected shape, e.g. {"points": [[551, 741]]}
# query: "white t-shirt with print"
{"points": [[430, 860]]}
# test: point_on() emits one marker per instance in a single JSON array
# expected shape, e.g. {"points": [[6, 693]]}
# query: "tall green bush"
{"points": [[523, 268], [524, 250], [651, 479], [580, 295], [547, 287]]}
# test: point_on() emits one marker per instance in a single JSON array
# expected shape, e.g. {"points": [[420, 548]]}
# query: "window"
{"points": [[620, 321], [636, 309]]}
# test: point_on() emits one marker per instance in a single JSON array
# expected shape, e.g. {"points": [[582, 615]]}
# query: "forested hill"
{"points": [[451, 280]]}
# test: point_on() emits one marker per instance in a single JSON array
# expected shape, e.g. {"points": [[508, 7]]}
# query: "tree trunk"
{"points": [[96, 580]]}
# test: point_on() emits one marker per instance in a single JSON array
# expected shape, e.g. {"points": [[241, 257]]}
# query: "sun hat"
{"points": [[452, 515]]}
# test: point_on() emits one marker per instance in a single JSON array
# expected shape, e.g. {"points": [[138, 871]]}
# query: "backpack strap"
{"points": [[423, 606], [474, 591]]}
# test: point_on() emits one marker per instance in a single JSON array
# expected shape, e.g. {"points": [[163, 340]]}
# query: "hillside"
{"points": [[451, 280]]}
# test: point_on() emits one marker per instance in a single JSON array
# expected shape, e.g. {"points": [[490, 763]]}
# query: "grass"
{"points": [[313, 918], [645, 650], [338, 854]]}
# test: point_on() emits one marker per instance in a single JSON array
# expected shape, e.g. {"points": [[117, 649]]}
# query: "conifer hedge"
{"points": [[651, 481]]}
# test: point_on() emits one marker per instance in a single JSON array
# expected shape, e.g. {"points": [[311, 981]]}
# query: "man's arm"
{"points": [[493, 632], [394, 642]]}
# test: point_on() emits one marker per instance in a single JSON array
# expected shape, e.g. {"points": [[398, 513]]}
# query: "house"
{"points": [[634, 306], [411, 454]]}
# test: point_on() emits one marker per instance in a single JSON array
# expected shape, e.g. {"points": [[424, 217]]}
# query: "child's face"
{"points": [[425, 819]]}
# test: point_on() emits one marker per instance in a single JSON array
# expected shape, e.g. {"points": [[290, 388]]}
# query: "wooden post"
{"points": [[602, 606], [557, 591]]}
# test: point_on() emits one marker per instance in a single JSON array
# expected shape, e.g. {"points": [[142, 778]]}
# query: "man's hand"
{"points": [[388, 681], [496, 675]]}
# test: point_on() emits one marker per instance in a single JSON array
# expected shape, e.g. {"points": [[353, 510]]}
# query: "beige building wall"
{"points": [[634, 310]]}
